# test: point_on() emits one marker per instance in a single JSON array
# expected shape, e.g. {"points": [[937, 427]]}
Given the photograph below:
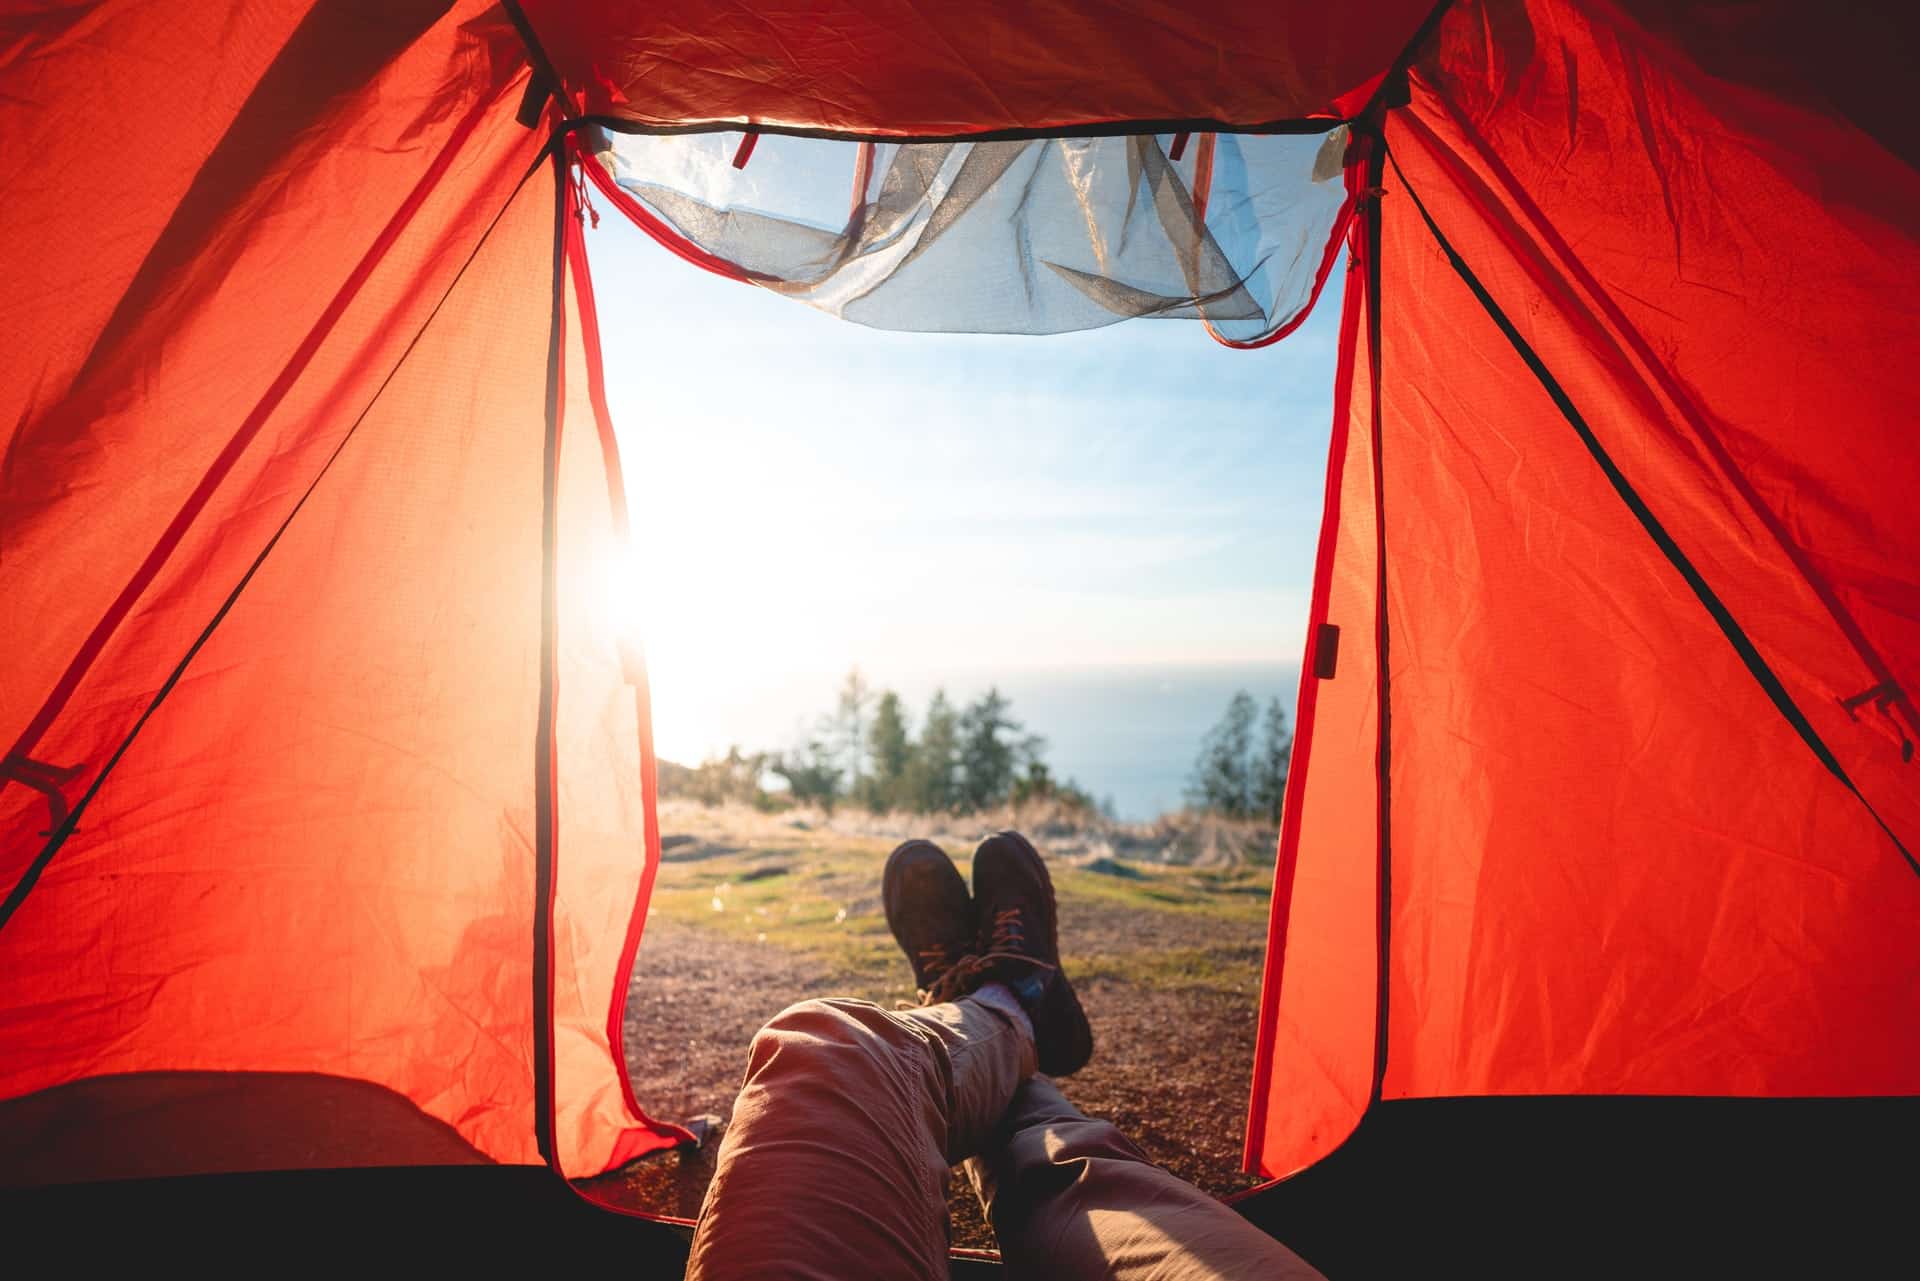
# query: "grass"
{"points": [[1239, 896], [755, 910], [815, 893], [812, 895], [1233, 970]]}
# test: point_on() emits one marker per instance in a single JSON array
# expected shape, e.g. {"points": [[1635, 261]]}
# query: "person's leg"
{"points": [[1070, 1198], [835, 1163]]}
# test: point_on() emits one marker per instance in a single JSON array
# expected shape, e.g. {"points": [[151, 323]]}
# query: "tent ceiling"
{"points": [[892, 68]]}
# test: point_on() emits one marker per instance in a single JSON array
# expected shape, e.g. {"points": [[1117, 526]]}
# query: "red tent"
{"points": [[320, 758]]}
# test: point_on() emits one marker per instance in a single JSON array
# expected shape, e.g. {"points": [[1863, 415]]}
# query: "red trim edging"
{"points": [[1341, 224], [576, 254], [669, 239], [1287, 858]]}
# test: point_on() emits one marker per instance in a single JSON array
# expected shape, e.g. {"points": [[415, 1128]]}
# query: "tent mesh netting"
{"points": [[1030, 237]]}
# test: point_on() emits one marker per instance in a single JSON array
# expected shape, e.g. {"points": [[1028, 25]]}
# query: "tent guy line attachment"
{"points": [[1885, 696], [1743, 645], [47, 780]]}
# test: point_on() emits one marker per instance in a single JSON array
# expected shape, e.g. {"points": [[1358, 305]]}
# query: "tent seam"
{"points": [[31, 876], [185, 518], [1736, 636], [545, 746]]}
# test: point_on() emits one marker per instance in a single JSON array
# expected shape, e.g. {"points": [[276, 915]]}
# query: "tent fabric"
{"points": [[607, 828], [325, 747], [318, 854], [1041, 236], [1315, 1048], [1614, 866], [893, 69]]}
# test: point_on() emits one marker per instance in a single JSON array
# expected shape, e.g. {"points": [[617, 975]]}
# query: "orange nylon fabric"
{"points": [[317, 855], [1614, 865], [895, 68], [1736, 273], [1314, 1059], [609, 843], [1590, 895], [1616, 868], [230, 315], [262, 240]]}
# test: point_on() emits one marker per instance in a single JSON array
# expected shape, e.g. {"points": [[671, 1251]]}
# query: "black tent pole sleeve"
{"points": [[545, 819], [545, 81], [1393, 88], [1383, 813], [1743, 645]]}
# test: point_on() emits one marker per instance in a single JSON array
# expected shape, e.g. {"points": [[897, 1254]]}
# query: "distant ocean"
{"points": [[1128, 734]]}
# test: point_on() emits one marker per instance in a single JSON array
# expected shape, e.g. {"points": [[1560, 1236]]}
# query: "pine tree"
{"points": [[1223, 776], [1270, 767], [891, 751], [986, 758], [849, 734], [811, 771], [932, 782]]}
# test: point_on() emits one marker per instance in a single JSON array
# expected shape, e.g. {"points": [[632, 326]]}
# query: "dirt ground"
{"points": [[1166, 961]]}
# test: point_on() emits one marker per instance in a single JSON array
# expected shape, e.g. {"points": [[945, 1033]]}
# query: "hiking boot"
{"points": [[1020, 942], [931, 917]]}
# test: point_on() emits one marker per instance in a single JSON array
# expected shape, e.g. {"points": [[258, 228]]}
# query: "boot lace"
{"points": [[951, 980], [1009, 931]]}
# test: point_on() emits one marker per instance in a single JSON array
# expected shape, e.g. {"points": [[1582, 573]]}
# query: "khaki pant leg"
{"points": [[1071, 1199], [834, 1166]]}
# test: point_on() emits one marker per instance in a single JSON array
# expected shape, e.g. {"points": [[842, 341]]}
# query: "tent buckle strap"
{"points": [[1885, 697], [45, 779], [533, 101]]}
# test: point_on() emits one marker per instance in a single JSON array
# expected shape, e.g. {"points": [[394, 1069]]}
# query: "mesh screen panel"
{"points": [[1031, 237]]}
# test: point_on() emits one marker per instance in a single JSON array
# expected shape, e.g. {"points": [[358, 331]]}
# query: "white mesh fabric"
{"points": [[1040, 236]]}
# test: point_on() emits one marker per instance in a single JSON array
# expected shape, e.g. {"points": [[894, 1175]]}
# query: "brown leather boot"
{"points": [[931, 916], [1019, 944]]}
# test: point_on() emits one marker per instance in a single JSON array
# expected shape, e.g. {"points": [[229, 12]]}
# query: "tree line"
{"points": [[868, 752]]}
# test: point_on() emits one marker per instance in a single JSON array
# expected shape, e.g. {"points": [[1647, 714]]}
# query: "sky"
{"points": [[810, 494]]}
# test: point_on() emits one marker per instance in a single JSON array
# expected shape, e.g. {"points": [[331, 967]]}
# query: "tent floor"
{"points": [[1505, 1187]]}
